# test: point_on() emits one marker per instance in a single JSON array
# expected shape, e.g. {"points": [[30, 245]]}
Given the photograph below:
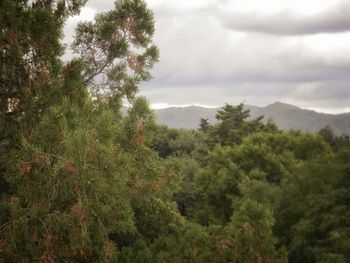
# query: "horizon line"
{"points": [[160, 106]]}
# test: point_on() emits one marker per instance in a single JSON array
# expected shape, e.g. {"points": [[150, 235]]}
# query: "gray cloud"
{"points": [[326, 96], [333, 96], [100, 5], [205, 59], [334, 20], [316, 91]]}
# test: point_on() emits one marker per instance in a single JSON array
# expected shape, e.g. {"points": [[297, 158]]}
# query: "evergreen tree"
{"points": [[30, 63], [74, 165], [117, 48], [234, 125], [204, 125]]}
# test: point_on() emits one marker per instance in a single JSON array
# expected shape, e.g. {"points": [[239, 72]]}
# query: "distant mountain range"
{"points": [[284, 115]]}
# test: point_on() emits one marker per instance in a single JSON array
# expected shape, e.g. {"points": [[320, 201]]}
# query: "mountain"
{"points": [[284, 115]]}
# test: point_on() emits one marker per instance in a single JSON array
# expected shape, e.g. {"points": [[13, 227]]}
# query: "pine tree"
{"points": [[30, 62], [74, 165], [117, 48], [30, 66], [234, 125]]}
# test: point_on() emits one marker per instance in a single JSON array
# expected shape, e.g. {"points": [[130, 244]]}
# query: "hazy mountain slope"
{"points": [[187, 117], [284, 115]]}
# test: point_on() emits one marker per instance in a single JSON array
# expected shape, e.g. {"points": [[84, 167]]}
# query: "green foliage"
{"points": [[30, 60], [191, 244], [67, 178], [204, 125], [336, 142], [276, 155], [117, 48], [30, 67], [185, 169], [234, 125], [217, 185], [172, 142], [313, 219], [251, 232]]}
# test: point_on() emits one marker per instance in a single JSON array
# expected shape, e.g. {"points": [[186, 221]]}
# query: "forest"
{"points": [[81, 181]]}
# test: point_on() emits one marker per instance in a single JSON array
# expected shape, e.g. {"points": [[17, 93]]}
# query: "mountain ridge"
{"points": [[286, 117]]}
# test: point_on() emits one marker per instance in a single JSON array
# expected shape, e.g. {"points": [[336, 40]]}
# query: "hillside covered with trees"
{"points": [[82, 182]]}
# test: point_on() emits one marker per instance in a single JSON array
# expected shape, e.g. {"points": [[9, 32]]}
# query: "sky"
{"points": [[214, 52]]}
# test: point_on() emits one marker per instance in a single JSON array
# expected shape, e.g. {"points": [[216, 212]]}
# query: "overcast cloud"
{"points": [[286, 22], [213, 52]]}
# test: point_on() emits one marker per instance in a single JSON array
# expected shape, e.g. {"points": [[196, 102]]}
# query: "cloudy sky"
{"points": [[228, 51]]}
